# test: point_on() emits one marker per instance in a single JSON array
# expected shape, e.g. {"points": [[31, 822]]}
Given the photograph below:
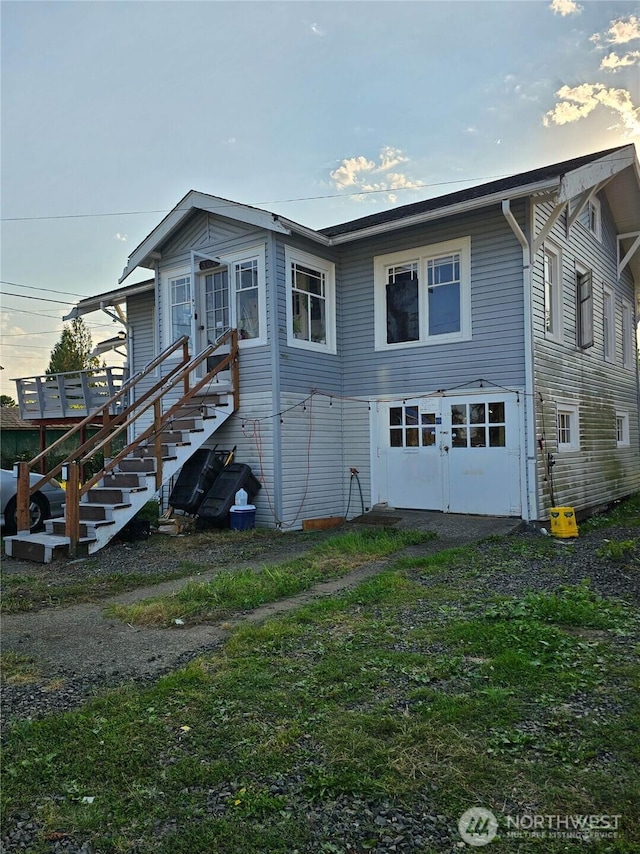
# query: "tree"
{"points": [[73, 350], [5, 400]]}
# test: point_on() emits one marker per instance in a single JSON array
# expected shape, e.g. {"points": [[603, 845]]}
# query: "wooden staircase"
{"points": [[96, 511]]}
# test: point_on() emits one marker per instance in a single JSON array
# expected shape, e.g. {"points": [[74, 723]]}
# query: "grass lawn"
{"points": [[368, 719]]}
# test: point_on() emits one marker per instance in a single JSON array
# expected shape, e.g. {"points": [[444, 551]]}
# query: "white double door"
{"points": [[455, 454]]}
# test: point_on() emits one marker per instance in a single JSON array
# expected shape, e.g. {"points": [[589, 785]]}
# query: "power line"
{"points": [[48, 290], [255, 204], [40, 299]]}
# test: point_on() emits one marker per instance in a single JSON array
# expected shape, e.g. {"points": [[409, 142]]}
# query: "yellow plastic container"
{"points": [[563, 522]]}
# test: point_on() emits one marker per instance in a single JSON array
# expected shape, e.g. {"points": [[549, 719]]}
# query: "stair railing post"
{"points": [[185, 359], [72, 507], [23, 499], [157, 440]]}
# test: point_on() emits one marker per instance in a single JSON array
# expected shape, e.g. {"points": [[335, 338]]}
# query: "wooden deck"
{"points": [[70, 395]]}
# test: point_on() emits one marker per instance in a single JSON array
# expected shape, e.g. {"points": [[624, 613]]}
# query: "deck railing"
{"points": [[184, 374], [68, 395]]}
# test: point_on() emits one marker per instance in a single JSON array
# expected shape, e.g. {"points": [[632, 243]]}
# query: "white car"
{"points": [[46, 503]]}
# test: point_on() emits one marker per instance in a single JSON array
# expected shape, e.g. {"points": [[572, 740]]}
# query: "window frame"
{"points": [[609, 324], [570, 410], [231, 260], [421, 256], [622, 437], [628, 334], [321, 265], [167, 277], [555, 303], [584, 332]]}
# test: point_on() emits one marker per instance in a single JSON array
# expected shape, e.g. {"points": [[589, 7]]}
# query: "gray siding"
{"points": [[600, 471], [496, 351], [303, 370], [312, 459]]}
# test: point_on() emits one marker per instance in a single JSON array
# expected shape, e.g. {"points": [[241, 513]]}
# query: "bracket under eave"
{"points": [[622, 263]]}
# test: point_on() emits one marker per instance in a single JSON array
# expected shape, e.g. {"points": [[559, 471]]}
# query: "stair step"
{"points": [[41, 548], [98, 512], [57, 527], [137, 464], [193, 425], [122, 480], [110, 495]]}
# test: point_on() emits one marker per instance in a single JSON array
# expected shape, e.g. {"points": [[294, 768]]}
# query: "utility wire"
{"points": [[40, 299], [48, 290]]}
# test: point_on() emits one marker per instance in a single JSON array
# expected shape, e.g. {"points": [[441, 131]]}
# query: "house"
{"points": [[471, 353]]}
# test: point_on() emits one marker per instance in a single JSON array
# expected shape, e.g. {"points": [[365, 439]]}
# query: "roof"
{"points": [[109, 298], [514, 185]]}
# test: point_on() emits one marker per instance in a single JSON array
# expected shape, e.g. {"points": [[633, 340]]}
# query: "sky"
{"points": [[319, 111]]}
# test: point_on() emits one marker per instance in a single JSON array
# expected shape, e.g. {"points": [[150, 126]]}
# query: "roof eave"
{"points": [[449, 210]]}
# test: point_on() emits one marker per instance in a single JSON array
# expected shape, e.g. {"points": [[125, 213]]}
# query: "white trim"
{"points": [[594, 212], [609, 324], [628, 334], [258, 253], [572, 411], [556, 333], [292, 256], [421, 255]]}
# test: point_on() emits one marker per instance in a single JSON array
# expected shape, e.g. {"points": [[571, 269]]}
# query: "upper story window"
{"points": [[609, 324], [552, 293], [628, 337], [584, 308], [310, 302], [594, 221], [423, 296]]}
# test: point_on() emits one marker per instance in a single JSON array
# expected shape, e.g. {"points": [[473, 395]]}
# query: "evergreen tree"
{"points": [[73, 350]]}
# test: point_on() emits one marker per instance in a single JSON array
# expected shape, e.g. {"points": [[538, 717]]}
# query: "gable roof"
{"points": [[566, 180], [110, 298]]}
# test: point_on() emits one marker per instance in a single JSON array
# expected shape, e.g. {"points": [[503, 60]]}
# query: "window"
{"points": [[594, 223], [180, 306], [411, 428], [247, 299], [567, 421], [478, 425], [622, 429], [552, 293], [423, 296], [609, 324], [311, 302], [628, 325], [584, 308]]}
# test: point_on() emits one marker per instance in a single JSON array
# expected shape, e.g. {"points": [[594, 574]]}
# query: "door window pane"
{"points": [[497, 437], [459, 437], [459, 414], [477, 437], [477, 413], [395, 416], [496, 413]]}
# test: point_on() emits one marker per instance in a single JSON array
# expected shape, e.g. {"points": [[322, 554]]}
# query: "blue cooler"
{"points": [[242, 517]]}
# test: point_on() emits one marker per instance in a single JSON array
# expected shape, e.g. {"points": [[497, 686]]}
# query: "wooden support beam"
{"points": [[72, 507]]}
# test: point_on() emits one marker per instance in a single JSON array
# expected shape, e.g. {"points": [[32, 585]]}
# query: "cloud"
{"points": [[620, 31], [369, 176], [317, 30], [578, 102], [122, 237], [346, 175], [565, 7], [614, 62]]}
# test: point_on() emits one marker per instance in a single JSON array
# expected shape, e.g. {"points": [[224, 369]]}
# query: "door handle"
{"points": [[445, 448]]}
